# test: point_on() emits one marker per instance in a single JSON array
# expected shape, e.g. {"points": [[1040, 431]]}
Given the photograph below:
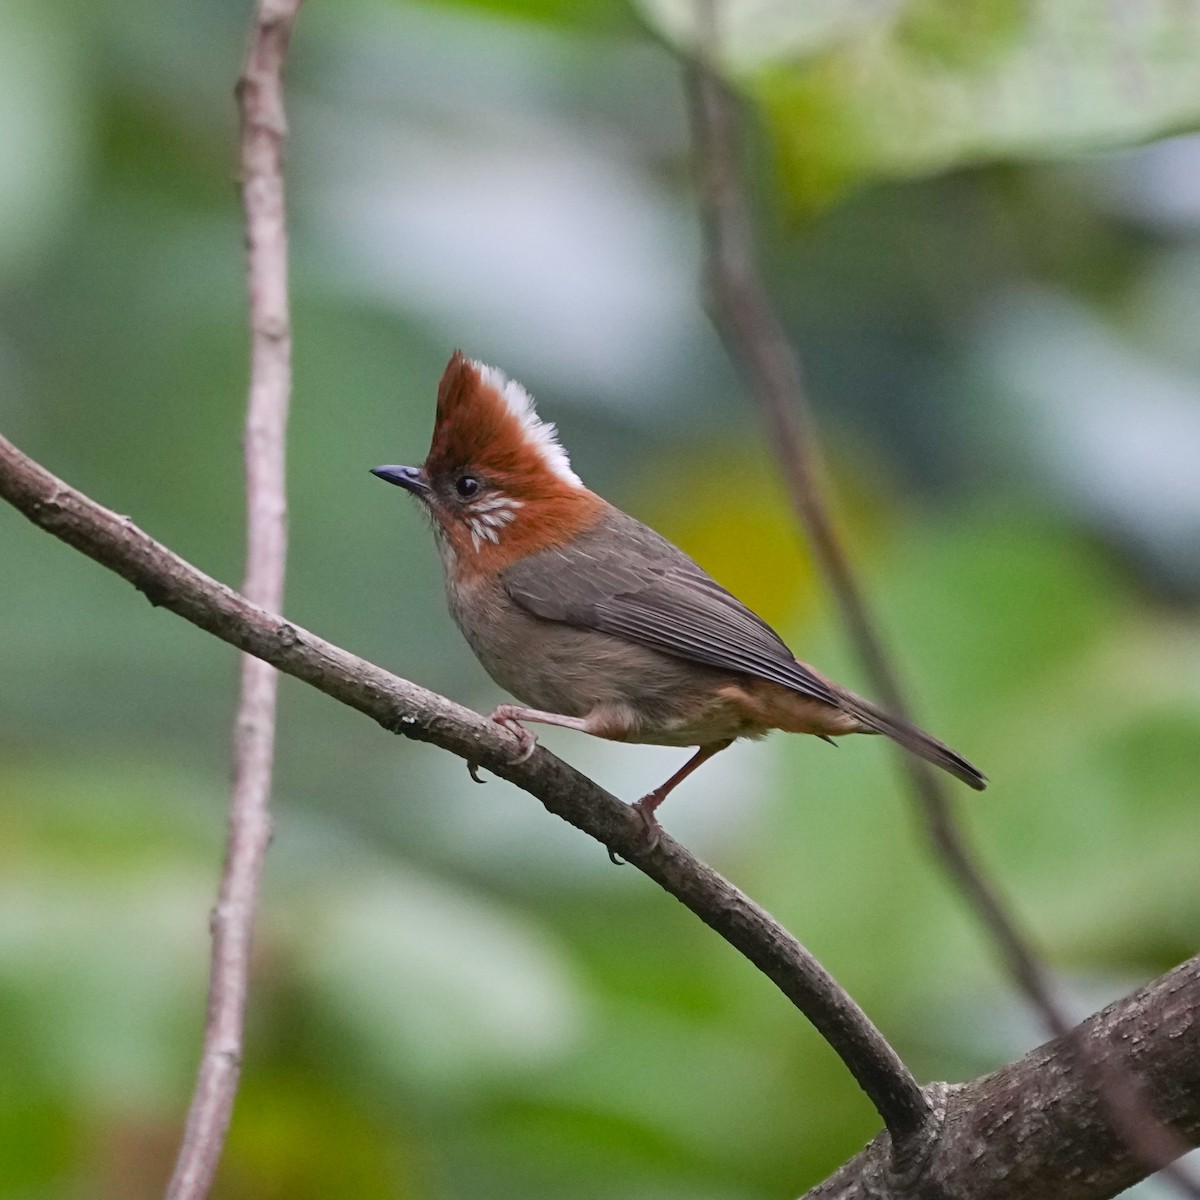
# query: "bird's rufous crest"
{"points": [[487, 422]]}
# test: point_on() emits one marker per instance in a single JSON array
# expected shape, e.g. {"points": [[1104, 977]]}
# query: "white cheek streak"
{"points": [[497, 519], [488, 516], [499, 500], [481, 532]]}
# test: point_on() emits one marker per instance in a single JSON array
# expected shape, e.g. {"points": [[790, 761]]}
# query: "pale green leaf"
{"points": [[754, 32], [922, 86]]}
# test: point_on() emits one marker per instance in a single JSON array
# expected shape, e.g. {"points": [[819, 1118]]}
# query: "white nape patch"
{"points": [[488, 516], [540, 435]]}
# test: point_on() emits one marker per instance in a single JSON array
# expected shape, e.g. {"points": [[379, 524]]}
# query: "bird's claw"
{"points": [[644, 809], [526, 738], [473, 771]]}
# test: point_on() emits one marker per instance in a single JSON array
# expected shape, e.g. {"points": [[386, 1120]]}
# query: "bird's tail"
{"points": [[914, 740]]}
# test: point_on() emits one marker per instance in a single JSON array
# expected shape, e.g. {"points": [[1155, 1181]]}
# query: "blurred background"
{"points": [[455, 994]]}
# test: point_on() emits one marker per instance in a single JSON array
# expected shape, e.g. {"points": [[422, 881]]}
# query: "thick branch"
{"points": [[1036, 1130], [405, 708], [261, 107]]}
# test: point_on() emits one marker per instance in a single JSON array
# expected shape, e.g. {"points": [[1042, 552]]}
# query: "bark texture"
{"points": [[1037, 1129]]}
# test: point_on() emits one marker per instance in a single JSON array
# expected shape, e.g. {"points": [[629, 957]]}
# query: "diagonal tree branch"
{"points": [[744, 316], [263, 127], [403, 707]]}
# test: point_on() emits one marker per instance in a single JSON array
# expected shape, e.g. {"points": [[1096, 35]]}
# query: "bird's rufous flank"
{"points": [[593, 620]]}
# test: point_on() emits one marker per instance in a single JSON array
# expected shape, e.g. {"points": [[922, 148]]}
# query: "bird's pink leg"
{"points": [[510, 716], [647, 804]]}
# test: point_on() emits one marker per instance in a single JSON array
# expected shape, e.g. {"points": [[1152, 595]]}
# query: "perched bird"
{"points": [[594, 620]]}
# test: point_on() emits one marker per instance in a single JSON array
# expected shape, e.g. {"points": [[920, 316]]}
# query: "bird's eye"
{"points": [[466, 485]]}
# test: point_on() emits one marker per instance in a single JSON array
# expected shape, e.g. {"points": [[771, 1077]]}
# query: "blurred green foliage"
{"points": [[453, 994]]}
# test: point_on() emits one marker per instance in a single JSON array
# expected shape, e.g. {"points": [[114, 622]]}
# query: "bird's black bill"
{"points": [[412, 479]]}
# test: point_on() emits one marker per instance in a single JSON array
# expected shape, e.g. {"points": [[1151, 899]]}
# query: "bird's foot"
{"points": [[506, 717], [645, 810]]}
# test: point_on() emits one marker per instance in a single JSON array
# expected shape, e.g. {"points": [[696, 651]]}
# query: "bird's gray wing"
{"points": [[623, 579]]}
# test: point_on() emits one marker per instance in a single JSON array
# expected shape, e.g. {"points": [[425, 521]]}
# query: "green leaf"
{"points": [[594, 15], [922, 86]]}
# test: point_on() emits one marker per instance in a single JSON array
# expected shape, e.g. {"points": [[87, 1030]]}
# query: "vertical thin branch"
{"points": [[757, 342], [263, 127]]}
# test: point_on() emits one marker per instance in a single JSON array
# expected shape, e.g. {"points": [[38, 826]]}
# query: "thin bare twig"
{"points": [[405, 708], [756, 340], [261, 107]]}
